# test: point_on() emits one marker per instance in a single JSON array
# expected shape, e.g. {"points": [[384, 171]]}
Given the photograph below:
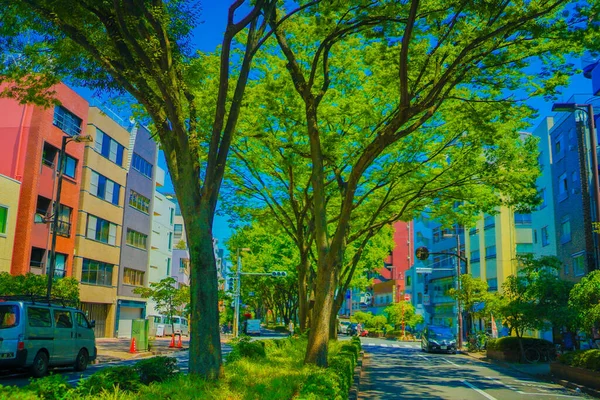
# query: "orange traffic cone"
{"points": [[132, 347], [179, 345], [172, 344]]}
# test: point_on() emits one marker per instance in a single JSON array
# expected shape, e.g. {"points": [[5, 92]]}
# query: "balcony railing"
{"points": [[36, 264]]}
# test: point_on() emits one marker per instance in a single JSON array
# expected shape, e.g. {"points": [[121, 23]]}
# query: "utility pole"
{"points": [[238, 275], [458, 310]]}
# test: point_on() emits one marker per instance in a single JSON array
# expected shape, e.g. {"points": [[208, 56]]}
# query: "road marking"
{"points": [[568, 396], [481, 392], [499, 382], [426, 359], [408, 346], [450, 362], [395, 345], [383, 345]]}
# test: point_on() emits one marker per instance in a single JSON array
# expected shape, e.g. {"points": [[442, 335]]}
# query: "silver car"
{"points": [[38, 334]]}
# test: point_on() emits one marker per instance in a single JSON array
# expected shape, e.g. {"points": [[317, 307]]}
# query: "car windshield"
{"points": [[9, 316], [441, 335]]}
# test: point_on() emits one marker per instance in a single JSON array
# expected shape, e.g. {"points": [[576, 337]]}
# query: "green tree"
{"points": [[403, 314], [474, 297], [170, 300], [379, 322], [584, 301], [37, 285], [362, 317]]}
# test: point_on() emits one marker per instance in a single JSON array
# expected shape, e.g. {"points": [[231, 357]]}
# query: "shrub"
{"points": [[51, 387], [243, 347], [322, 384], [588, 359], [511, 344], [156, 369], [343, 366], [351, 348], [281, 329], [356, 341], [15, 393], [126, 378]]}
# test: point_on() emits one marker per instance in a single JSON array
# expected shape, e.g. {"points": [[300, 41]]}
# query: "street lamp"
{"points": [[589, 110], [238, 275], [55, 207]]}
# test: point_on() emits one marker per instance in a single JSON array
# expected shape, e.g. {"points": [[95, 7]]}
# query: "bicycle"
{"points": [[534, 355]]}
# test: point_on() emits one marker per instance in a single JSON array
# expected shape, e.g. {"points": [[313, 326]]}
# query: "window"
{"points": [[96, 273], [81, 320], [490, 252], [101, 230], [62, 319], [408, 280], [579, 265], [68, 122], [64, 221], [524, 248], [492, 284], [183, 264], [542, 195], [133, 277], [545, 236], [109, 147], [473, 231], [475, 256], [141, 165], [559, 148], [565, 230], [49, 155], [563, 187], [9, 316], [436, 235], [104, 188], [170, 240], [168, 267], [60, 269], [139, 202], [39, 317], [69, 166], [136, 239], [489, 221], [37, 257], [172, 211], [3, 219], [522, 219], [178, 230]]}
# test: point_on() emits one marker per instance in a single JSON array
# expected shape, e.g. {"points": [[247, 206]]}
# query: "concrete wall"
{"points": [[9, 198]]}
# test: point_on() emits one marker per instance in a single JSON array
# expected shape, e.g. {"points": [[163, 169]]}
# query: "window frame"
{"points": [[4, 224]]}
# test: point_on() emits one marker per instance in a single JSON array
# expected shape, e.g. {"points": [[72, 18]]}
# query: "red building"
{"points": [[390, 285], [30, 142]]}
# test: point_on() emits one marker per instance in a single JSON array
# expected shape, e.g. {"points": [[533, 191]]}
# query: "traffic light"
{"points": [[278, 274]]}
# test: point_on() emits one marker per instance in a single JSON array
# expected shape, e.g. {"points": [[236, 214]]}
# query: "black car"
{"points": [[438, 338]]}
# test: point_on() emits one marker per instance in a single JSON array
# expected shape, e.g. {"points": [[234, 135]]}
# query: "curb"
{"points": [[355, 389], [579, 388]]}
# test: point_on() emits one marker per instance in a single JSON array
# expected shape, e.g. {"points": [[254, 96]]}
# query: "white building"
{"points": [[162, 238]]}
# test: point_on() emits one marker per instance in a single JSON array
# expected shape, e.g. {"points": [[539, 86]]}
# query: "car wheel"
{"points": [[39, 367], [82, 360]]}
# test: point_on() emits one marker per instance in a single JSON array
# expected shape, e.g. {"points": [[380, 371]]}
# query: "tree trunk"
{"points": [[203, 292], [303, 290], [337, 305]]}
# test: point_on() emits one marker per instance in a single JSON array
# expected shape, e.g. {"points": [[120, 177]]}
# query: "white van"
{"points": [[160, 325], [36, 333], [253, 327], [180, 326]]}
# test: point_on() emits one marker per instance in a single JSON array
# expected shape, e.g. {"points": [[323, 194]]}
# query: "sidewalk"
{"points": [[113, 349]]}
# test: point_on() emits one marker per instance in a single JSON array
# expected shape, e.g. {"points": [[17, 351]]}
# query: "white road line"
{"points": [[426, 359], [450, 362], [499, 382], [408, 346], [481, 392], [568, 396], [395, 345], [383, 345]]}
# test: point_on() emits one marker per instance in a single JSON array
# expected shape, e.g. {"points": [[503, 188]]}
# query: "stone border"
{"points": [[354, 390]]}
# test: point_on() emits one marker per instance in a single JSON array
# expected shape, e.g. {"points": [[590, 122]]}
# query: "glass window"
{"points": [[141, 165], [475, 256], [579, 265], [170, 240], [109, 148], [524, 248], [133, 277], [99, 140], [136, 239], [545, 236], [522, 219], [49, 155], [492, 284], [101, 230], [172, 211], [565, 229], [67, 121], [168, 267], [112, 156], [70, 167], [139, 202], [563, 187], [489, 221], [39, 317], [9, 316], [178, 229], [81, 320], [96, 273], [3, 219], [490, 252], [94, 183], [60, 267], [104, 188], [62, 319]]}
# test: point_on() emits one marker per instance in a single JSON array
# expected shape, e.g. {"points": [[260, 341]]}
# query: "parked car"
{"points": [[438, 338], [343, 327], [252, 327], [36, 333]]}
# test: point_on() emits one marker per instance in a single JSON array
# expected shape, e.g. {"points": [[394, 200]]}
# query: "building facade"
{"points": [[32, 138], [137, 228], [9, 205], [161, 242], [100, 219]]}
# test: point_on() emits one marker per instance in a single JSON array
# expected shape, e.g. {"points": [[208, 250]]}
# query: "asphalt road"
{"points": [[400, 370]]}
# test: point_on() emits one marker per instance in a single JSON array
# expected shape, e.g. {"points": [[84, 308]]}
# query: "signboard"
{"points": [[407, 297], [424, 270], [426, 300]]}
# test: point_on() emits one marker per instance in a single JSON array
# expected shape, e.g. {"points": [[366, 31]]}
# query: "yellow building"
{"points": [[99, 228], [493, 244], [9, 203]]}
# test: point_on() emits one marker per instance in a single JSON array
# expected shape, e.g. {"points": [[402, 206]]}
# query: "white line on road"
{"points": [[499, 382], [395, 345], [426, 359], [568, 396], [408, 346], [481, 392], [383, 345], [450, 362]]}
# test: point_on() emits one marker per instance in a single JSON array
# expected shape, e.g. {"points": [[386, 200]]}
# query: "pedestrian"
{"points": [[384, 331], [358, 329], [291, 328]]}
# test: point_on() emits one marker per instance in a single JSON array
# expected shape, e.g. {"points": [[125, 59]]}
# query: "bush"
{"points": [[126, 378], [511, 344], [156, 369], [243, 347], [588, 359], [16, 393], [281, 329], [351, 348], [343, 366], [323, 384], [51, 387], [356, 341]]}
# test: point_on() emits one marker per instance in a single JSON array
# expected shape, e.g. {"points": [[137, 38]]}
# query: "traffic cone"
{"points": [[172, 344], [132, 347], [179, 345]]}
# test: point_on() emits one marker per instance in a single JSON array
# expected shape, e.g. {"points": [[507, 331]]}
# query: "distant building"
{"points": [[32, 137]]}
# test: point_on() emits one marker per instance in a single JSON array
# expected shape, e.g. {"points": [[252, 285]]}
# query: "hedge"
{"points": [[588, 359], [511, 343]]}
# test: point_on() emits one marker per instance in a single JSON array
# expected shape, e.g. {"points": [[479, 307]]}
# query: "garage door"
{"points": [[126, 315]]}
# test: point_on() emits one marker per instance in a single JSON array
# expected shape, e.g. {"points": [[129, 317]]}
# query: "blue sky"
{"points": [[209, 33]]}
